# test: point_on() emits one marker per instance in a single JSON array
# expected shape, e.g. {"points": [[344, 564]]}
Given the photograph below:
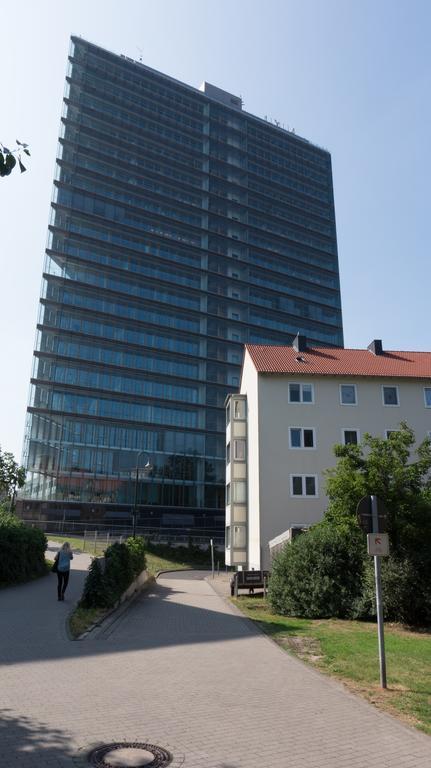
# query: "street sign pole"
{"points": [[379, 604], [212, 556]]}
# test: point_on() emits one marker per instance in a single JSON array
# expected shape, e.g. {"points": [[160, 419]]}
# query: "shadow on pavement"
{"points": [[165, 616], [29, 739]]}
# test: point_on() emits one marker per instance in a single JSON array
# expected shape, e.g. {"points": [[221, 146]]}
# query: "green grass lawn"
{"points": [[89, 546], [166, 559], [348, 650]]}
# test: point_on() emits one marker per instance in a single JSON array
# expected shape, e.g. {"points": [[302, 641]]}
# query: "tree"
{"points": [[12, 476], [8, 158], [386, 468], [327, 571], [400, 475]]}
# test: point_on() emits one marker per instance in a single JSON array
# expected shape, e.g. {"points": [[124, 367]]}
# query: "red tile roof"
{"points": [[325, 361]]}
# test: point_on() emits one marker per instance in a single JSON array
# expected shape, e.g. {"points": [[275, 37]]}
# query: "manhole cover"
{"points": [[129, 755]]}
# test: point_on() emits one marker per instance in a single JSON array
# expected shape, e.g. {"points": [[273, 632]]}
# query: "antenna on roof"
{"points": [[141, 52]]}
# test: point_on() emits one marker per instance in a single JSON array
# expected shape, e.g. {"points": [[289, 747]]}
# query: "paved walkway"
{"points": [[180, 669]]}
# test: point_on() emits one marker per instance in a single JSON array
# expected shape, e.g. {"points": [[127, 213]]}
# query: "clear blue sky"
{"points": [[351, 75]]}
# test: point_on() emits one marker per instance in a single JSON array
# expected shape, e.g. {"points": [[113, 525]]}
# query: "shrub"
{"points": [[22, 550], [123, 562], [318, 574], [138, 559], [406, 592], [94, 592], [118, 573]]}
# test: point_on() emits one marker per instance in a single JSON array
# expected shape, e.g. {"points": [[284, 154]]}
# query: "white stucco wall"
{"points": [[249, 386], [276, 509]]}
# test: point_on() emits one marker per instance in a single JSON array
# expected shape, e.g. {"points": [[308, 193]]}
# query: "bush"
{"points": [[22, 550], [94, 592], [123, 562], [406, 592], [138, 559], [318, 574], [118, 573]]}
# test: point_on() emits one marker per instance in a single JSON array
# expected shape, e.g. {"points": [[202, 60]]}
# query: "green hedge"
{"points": [[123, 562], [22, 551], [317, 575], [326, 572]]}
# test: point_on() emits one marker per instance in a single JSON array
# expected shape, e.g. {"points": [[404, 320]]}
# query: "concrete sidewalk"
{"points": [[31, 613], [182, 670]]}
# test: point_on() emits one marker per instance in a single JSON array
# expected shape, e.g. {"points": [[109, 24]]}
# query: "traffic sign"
{"points": [[365, 515], [378, 544]]}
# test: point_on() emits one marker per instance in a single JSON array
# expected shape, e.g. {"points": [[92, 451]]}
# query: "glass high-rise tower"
{"points": [[181, 228]]}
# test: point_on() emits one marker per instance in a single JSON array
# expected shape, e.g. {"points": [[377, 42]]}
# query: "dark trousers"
{"points": [[63, 580]]}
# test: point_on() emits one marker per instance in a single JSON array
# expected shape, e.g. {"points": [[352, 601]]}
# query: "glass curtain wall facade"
{"points": [[181, 227]]}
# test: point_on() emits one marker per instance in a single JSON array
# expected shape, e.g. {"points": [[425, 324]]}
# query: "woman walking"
{"points": [[63, 558]]}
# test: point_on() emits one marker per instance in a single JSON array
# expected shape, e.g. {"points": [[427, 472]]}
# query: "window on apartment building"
{"points": [[228, 414], [228, 494], [239, 450], [301, 437], [227, 538], [348, 394], [350, 437], [303, 485], [239, 536], [390, 395], [239, 409], [239, 491], [300, 393], [427, 397], [228, 453]]}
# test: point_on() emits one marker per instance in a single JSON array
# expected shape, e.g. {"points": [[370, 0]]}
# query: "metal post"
{"points": [[379, 602], [264, 586], [135, 503], [218, 567], [212, 556], [95, 541]]}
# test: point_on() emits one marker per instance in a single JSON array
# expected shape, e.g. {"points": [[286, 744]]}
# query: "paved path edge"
{"points": [[332, 681]]}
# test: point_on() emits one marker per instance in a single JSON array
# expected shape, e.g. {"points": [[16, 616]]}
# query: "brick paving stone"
{"points": [[179, 668]]}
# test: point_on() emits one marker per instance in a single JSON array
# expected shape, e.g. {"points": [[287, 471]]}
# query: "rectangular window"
{"points": [[228, 414], [239, 409], [228, 494], [301, 437], [390, 395], [239, 536], [350, 437], [228, 453], [228, 537], [239, 491], [301, 393], [303, 485], [348, 394], [427, 397], [239, 450]]}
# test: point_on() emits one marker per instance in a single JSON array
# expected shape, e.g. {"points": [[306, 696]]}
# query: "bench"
{"points": [[250, 580]]}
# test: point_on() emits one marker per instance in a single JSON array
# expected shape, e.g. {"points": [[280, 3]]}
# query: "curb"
{"points": [[121, 607]]}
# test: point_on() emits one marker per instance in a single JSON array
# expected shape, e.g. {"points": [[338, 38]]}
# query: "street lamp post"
{"points": [[147, 467]]}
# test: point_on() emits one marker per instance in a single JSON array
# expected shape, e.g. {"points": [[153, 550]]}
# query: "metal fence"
{"points": [[99, 533]]}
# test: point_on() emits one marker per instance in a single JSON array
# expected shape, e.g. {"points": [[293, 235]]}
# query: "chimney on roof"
{"points": [[376, 347], [299, 343]]}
